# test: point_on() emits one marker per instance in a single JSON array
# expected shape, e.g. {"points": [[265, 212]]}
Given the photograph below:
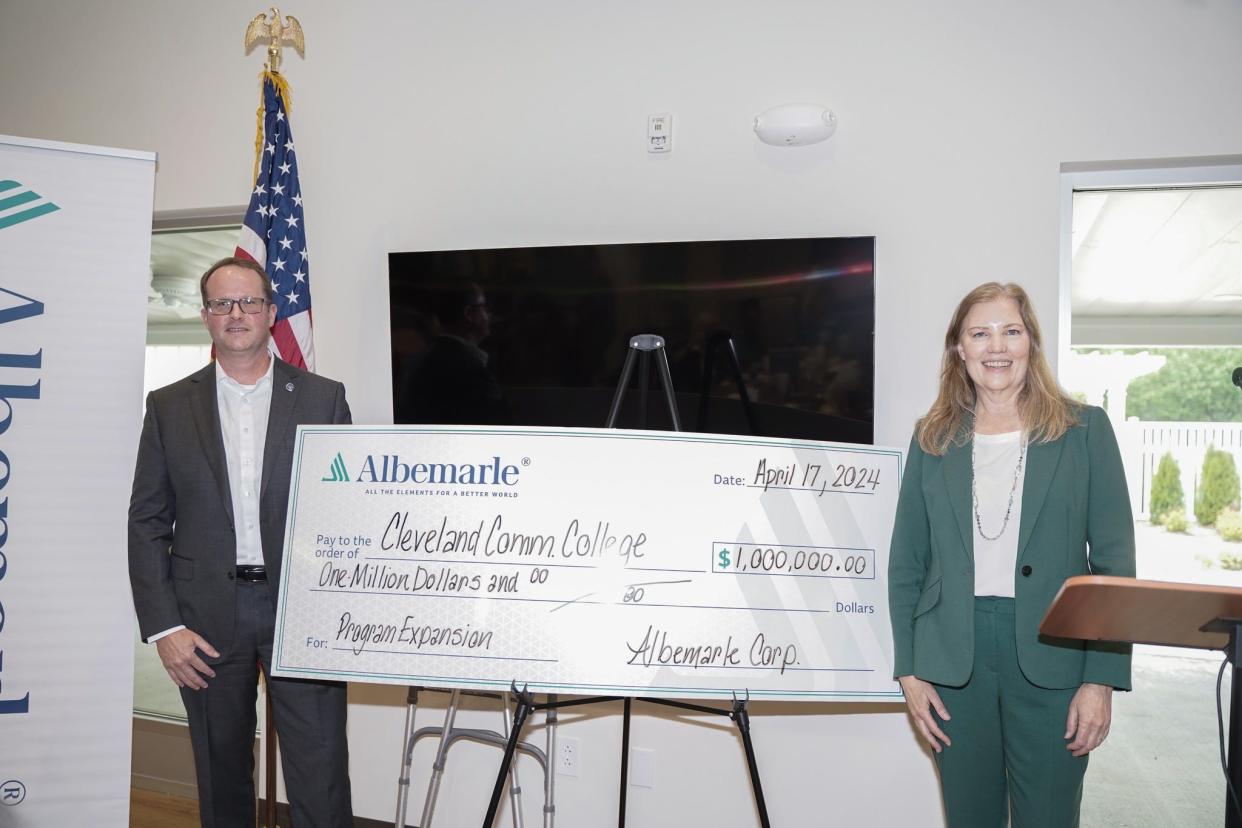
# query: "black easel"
{"points": [[526, 705], [740, 716], [716, 343], [738, 713], [646, 347]]}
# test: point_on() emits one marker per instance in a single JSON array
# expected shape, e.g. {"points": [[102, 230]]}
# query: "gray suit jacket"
{"points": [[182, 545]]}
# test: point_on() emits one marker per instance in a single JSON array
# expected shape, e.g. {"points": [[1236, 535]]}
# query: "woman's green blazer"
{"points": [[1076, 520]]}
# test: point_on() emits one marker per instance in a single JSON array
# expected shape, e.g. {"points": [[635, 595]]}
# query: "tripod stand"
{"points": [[644, 348]]}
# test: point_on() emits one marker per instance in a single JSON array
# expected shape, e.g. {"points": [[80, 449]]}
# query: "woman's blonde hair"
{"points": [[1047, 412]]}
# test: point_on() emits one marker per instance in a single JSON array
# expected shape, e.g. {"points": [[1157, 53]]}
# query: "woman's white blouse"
{"points": [[995, 460]]}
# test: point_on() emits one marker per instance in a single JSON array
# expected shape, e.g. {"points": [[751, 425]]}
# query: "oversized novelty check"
{"points": [[589, 561]]}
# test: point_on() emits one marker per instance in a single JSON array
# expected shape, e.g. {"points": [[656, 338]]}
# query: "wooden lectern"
{"points": [[1099, 608]]}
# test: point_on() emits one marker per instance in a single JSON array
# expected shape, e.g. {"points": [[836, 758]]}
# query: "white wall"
{"points": [[439, 124]]}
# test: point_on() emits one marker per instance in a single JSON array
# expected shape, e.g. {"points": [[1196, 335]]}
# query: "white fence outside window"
{"points": [[1144, 443]]}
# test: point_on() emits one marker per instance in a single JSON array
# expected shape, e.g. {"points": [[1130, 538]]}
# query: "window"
{"points": [[183, 246]]}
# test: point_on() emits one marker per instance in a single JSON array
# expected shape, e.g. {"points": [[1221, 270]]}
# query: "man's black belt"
{"points": [[253, 574]]}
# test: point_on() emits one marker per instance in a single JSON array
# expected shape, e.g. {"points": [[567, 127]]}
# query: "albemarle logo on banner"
{"points": [[24, 308], [19, 203]]}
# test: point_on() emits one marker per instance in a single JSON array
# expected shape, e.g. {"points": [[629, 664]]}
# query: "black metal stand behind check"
{"points": [[644, 347], [722, 342], [526, 705]]}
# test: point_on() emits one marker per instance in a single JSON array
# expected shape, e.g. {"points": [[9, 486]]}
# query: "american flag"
{"points": [[273, 233]]}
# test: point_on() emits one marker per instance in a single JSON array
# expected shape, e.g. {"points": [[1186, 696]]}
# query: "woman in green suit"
{"points": [[1011, 487]]}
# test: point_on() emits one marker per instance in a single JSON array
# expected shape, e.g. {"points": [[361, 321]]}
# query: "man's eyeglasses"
{"points": [[223, 307]]}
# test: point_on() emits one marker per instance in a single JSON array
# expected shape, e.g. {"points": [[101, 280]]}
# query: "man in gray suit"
{"points": [[206, 534]]}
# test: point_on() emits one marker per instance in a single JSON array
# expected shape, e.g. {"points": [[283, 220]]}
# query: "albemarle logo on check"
{"points": [[390, 468], [633, 562], [336, 472]]}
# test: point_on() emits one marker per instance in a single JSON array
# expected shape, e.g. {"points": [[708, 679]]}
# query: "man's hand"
{"points": [[1090, 714], [922, 699], [179, 653]]}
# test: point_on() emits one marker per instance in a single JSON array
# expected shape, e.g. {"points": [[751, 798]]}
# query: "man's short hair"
{"points": [[239, 261]]}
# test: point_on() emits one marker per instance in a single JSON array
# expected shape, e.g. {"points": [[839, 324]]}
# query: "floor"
{"points": [[156, 810], [1160, 765]]}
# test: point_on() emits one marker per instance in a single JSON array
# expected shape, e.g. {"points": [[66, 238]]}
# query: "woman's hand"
{"points": [[922, 699], [1090, 714]]}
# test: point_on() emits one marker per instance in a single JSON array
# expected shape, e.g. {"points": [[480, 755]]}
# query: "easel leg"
{"points": [[515, 790], [644, 380], [403, 782], [619, 395], [742, 718], [525, 703], [666, 380], [625, 762]]}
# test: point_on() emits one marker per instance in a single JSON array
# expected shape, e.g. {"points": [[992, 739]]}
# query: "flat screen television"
{"points": [[538, 335]]}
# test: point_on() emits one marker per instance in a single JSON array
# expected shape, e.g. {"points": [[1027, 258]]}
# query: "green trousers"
{"points": [[1008, 757]]}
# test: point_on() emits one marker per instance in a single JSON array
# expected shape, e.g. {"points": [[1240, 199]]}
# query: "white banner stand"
{"points": [[75, 236]]}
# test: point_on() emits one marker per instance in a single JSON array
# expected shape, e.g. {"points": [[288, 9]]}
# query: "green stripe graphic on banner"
{"points": [[18, 199]]}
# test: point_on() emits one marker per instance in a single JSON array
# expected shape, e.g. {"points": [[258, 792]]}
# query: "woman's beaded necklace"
{"points": [[974, 492]]}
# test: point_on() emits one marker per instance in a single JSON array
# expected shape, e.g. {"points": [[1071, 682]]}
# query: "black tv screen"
{"points": [[538, 335]]}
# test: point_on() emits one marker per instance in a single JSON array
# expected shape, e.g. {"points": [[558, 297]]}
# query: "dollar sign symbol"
{"points": [[724, 558]]}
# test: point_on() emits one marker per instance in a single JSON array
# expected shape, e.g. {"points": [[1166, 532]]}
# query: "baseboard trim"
{"points": [[155, 784], [162, 760]]}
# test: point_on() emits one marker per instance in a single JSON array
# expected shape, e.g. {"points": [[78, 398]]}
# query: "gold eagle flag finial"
{"points": [[290, 31]]}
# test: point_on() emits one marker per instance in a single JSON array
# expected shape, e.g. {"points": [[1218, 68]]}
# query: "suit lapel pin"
{"points": [[288, 386]]}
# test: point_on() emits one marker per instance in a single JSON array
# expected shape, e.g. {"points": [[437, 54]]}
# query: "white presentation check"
{"points": [[589, 561]]}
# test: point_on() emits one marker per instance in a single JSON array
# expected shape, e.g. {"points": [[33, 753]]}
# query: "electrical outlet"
{"points": [[568, 756]]}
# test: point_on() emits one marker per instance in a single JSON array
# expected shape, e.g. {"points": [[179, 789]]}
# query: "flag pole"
{"points": [[276, 32]]}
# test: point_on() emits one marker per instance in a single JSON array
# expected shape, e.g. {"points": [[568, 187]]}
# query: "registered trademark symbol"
{"points": [[525, 461], [12, 792]]}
